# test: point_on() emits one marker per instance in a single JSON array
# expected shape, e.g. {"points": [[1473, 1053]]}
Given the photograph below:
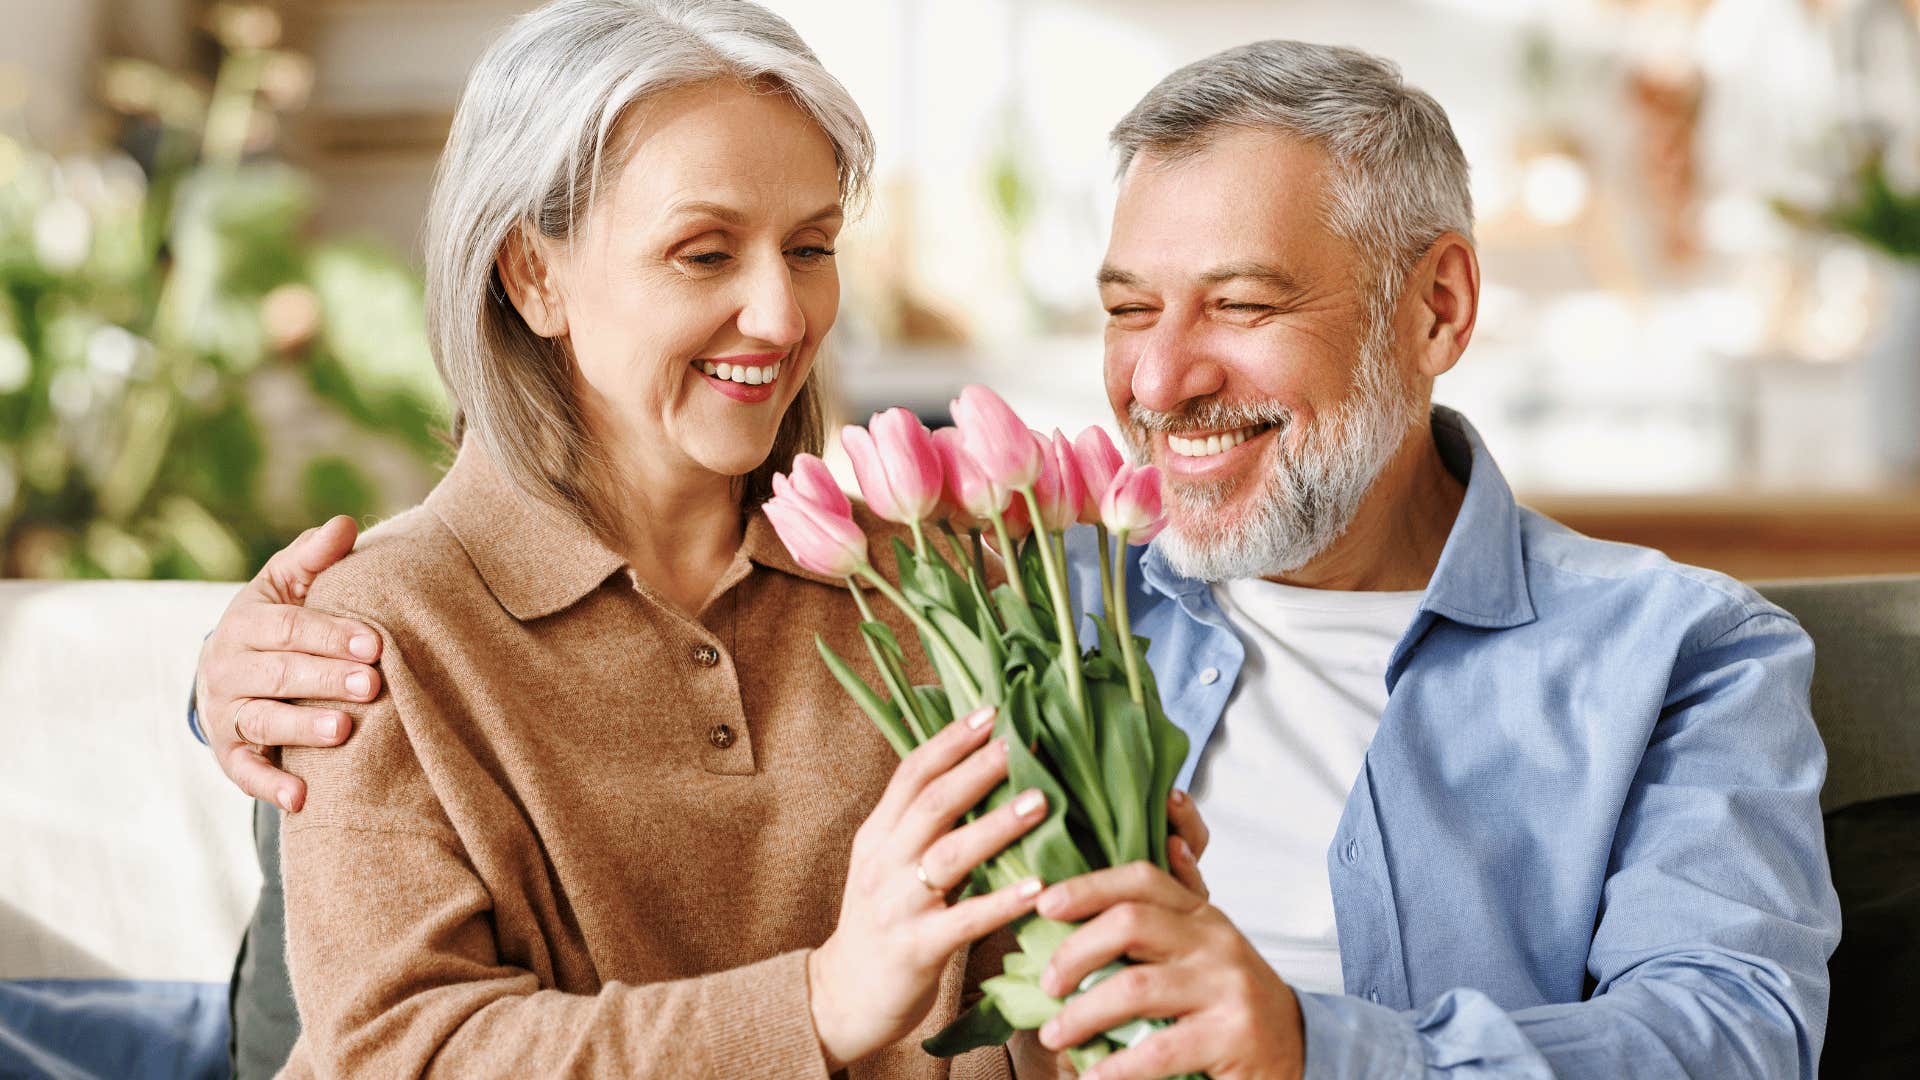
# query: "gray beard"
{"points": [[1317, 486]]}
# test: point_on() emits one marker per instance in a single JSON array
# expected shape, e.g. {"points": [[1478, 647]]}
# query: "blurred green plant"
{"points": [[142, 306], [1871, 208]]}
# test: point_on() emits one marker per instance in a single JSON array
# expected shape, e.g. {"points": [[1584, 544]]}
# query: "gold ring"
{"points": [[920, 872]]}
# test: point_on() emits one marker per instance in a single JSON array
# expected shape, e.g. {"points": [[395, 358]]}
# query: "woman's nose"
{"points": [[1173, 368], [771, 311]]}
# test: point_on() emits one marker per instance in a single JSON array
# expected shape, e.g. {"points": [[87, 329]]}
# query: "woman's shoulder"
{"points": [[408, 565]]}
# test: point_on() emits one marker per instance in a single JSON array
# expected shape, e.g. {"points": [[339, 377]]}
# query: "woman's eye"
{"points": [[707, 258], [1238, 306], [810, 253]]}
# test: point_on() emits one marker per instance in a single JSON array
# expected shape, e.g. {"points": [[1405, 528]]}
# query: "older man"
{"points": [[1487, 797]]}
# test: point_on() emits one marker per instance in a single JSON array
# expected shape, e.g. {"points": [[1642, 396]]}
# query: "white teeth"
{"points": [[741, 373], [1212, 444]]}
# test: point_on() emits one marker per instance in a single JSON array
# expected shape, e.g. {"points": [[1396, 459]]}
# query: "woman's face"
{"points": [[697, 293]]}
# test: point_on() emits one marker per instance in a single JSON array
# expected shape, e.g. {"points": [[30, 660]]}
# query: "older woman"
{"points": [[598, 819]]}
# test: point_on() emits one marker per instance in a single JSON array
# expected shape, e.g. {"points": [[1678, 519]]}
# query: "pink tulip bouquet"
{"points": [[1084, 726]]}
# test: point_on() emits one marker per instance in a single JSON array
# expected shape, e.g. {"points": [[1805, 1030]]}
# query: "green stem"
{"points": [[1106, 570], [1129, 653], [919, 539], [1011, 557], [1062, 614], [918, 726], [970, 696]]}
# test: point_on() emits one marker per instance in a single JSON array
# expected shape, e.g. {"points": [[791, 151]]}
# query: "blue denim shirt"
{"points": [[1586, 839]]}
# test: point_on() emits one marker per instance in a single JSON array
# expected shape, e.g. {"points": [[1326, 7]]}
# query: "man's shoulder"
{"points": [[1569, 573], [402, 567]]}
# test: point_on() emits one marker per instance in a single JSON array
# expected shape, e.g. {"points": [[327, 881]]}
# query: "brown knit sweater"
{"points": [[580, 833]]}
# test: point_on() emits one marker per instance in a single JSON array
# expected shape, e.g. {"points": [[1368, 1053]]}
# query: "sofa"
{"points": [[128, 871]]}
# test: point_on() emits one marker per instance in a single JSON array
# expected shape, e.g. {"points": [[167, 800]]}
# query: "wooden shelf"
{"points": [[1755, 537]]}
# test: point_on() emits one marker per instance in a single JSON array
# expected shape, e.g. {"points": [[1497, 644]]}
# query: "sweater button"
{"points": [[720, 735], [705, 655]]}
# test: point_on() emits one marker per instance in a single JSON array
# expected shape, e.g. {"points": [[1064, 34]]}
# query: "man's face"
{"points": [[1241, 356]]}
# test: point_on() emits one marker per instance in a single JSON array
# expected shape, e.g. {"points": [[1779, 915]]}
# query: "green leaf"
{"points": [[883, 714], [1048, 847], [1170, 746], [979, 1026], [1126, 763], [1021, 1001], [1023, 965], [982, 658], [885, 651]]}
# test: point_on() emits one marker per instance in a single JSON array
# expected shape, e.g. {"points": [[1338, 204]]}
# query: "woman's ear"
{"points": [[527, 271]]}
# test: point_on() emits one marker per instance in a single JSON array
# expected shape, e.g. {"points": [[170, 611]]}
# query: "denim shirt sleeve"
{"points": [[1709, 956]]}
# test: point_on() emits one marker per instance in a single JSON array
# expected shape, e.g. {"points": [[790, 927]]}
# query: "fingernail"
{"points": [[980, 717], [358, 684], [364, 646], [1031, 887], [1029, 803], [1178, 798], [1050, 1033], [299, 590], [286, 799], [328, 726]]}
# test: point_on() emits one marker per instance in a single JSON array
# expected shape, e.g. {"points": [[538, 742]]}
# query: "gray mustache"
{"points": [[1205, 416]]}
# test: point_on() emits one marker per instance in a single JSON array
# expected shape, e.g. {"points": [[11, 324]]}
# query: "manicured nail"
{"points": [[286, 799], [1029, 803], [1050, 1034], [980, 717], [1178, 798], [1031, 887], [328, 726], [364, 646], [359, 684], [299, 590]]}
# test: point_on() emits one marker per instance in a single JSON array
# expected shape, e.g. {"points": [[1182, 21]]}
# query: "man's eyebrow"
{"points": [[1262, 272], [1113, 275]]}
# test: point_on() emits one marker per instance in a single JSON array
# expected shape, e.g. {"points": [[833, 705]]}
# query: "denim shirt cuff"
{"points": [[1349, 1037]]}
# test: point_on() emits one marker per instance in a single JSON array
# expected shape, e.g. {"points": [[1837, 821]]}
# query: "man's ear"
{"points": [[526, 270], [1449, 281]]}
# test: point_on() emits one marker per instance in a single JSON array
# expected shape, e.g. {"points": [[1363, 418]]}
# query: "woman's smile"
{"points": [[748, 377]]}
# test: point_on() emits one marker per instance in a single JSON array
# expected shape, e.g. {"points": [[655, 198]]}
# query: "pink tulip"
{"points": [[1060, 491], [814, 482], [996, 438], [1019, 522], [1132, 503], [819, 532], [1099, 460], [896, 464], [967, 490]]}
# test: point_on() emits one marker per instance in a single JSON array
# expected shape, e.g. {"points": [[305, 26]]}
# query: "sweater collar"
{"points": [[535, 559]]}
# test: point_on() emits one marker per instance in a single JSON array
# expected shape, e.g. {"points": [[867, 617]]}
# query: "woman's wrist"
{"points": [[821, 1006]]}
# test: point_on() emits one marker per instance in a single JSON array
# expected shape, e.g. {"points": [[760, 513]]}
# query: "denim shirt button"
{"points": [[1373, 996], [1210, 676], [1351, 853]]}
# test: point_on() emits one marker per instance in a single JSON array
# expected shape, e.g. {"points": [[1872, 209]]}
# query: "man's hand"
{"points": [[1234, 1019], [268, 648]]}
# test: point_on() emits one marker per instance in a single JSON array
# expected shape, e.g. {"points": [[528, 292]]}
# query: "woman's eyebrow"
{"points": [[732, 216]]}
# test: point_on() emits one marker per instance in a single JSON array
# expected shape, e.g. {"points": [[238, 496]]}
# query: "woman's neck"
{"points": [[678, 527]]}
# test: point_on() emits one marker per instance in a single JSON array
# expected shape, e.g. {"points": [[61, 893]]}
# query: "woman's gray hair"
{"points": [[1399, 179], [530, 143]]}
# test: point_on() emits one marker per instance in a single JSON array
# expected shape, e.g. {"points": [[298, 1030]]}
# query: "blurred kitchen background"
{"points": [[1699, 222]]}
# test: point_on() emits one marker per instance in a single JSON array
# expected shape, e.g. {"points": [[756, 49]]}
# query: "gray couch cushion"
{"points": [[1866, 681]]}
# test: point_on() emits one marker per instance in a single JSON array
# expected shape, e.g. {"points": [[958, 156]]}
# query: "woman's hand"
{"points": [[269, 647], [876, 976]]}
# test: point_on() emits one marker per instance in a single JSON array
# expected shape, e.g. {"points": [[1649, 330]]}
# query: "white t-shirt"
{"points": [[1277, 771]]}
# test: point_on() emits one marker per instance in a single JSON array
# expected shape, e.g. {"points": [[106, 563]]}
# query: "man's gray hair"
{"points": [[533, 138], [1399, 179]]}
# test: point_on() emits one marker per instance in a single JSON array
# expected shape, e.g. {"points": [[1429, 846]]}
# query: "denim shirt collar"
{"points": [[1481, 577]]}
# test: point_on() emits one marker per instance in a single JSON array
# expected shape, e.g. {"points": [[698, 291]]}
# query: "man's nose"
{"points": [[771, 311], [1173, 368]]}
